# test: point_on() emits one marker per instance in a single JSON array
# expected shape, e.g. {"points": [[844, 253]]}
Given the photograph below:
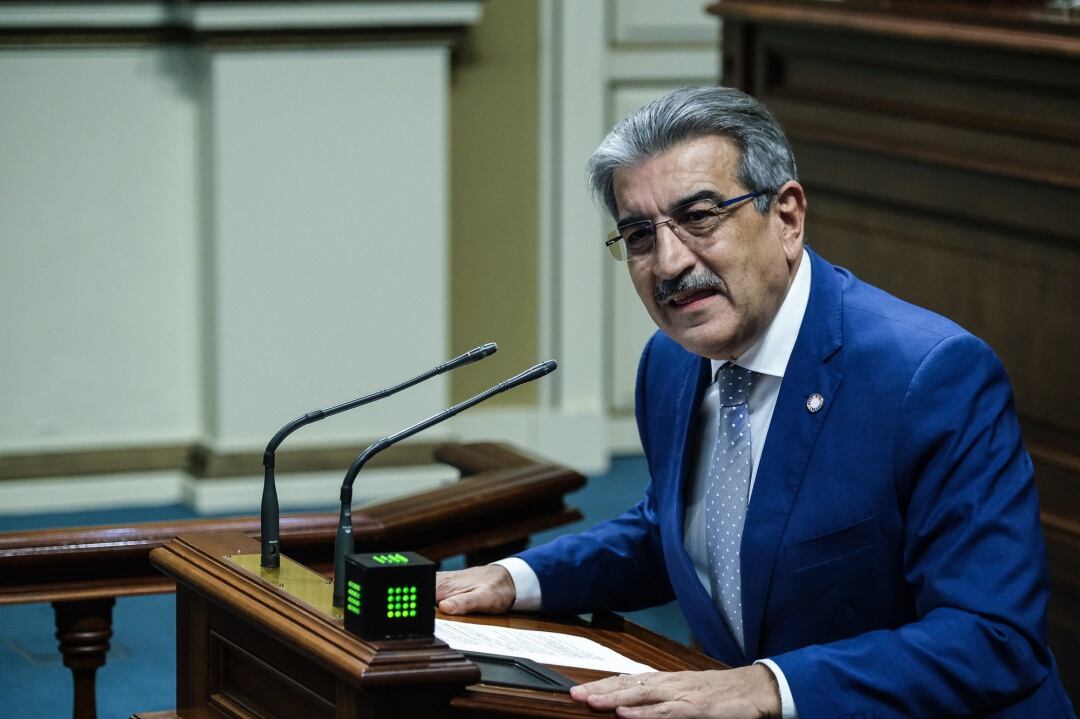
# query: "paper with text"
{"points": [[564, 650]]}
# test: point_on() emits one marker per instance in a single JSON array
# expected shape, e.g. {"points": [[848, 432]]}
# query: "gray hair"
{"points": [[766, 160]]}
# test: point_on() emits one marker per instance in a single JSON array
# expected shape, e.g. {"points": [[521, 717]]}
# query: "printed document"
{"points": [[564, 650]]}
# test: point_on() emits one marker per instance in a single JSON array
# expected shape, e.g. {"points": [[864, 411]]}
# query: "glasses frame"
{"points": [[615, 237]]}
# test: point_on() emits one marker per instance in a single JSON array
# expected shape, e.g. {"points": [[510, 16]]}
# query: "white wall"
{"points": [[328, 237], [98, 248], [200, 243], [605, 59]]}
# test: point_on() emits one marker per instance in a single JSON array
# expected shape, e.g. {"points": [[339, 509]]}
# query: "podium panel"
{"points": [[247, 646]]}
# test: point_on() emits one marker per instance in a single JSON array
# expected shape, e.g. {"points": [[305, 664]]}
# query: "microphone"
{"points": [[343, 542], [270, 520]]}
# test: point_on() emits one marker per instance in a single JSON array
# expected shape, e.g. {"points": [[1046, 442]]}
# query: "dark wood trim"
{"points": [[508, 500], [1016, 26], [1051, 446], [504, 497], [200, 461], [28, 465], [330, 37], [246, 647], [37, 37], [67, 37], [205, 463], [938, 145]]}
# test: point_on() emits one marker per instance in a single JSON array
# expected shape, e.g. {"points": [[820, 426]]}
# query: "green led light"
{"points": [[354, 610], [395, 558], [390, 615], [354, 585]]}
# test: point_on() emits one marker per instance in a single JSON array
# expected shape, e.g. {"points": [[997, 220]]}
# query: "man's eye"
{"points": [[698, 219], [637, 238], [692, 216]]}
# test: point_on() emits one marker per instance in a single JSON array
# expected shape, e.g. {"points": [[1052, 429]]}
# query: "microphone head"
{"points": [[533, 373], [547, 367], [485, 350], [474, 355]]}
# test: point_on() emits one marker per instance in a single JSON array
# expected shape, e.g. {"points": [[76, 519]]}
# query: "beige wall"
{"points": [[164, 253], [493, 198]]}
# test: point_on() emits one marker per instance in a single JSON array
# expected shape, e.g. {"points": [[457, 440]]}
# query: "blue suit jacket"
{"points": [[892, 557]]}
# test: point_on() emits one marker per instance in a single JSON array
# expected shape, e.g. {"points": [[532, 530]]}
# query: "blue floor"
{"points": [[139, 674]]}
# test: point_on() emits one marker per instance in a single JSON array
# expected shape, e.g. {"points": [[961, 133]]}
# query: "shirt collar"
{"points": [[770, 354]]}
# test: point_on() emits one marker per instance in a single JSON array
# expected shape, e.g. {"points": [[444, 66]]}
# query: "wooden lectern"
{"points": [[253, 642]]}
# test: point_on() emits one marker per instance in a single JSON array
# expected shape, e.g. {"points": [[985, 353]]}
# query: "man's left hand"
{"points": [[744, 693]]}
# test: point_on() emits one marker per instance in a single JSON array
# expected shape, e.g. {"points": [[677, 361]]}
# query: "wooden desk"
{"points": [[503, 498], [246, 647]]}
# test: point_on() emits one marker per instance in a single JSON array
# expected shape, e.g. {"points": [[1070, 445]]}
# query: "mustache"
{"points": [[704, 280]]}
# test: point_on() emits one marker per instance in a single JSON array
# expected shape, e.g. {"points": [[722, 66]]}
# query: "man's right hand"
{"points": [[476, 590]]}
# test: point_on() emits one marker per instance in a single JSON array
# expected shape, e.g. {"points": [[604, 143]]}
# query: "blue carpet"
{"points": [[140, 672]]}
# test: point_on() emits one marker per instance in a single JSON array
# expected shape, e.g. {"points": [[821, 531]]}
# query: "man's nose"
{"points": [[673, 257]]}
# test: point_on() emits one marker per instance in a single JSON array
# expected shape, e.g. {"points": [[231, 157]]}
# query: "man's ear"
{"points": [[790, 209]]}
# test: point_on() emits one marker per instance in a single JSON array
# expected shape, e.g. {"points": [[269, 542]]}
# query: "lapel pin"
{"points": [[814, 402]]}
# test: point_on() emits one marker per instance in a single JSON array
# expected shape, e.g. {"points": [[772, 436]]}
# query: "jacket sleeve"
{"points": [[615, 565], [973, 557]]}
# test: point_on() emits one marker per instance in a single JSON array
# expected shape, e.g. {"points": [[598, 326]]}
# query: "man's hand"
{"points": [[483, 590], [744, 693]]}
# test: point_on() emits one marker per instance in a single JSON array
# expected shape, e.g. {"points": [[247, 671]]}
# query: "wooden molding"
{"points": [[226, 39], [27, 465], [1024, 26], [235, 25], [205, 463], [200, 461], [506, 496]]}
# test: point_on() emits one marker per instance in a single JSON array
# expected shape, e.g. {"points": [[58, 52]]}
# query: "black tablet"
{"points": [[518, 672]]}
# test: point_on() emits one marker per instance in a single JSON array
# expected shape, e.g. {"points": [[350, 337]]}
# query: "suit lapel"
{"points": [[792, 433], [709, 626]]}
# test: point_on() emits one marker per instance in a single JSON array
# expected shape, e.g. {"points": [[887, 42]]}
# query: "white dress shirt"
{"points": [[768, 357]]}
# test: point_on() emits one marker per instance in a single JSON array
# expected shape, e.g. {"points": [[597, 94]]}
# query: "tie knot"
{"points": [[735, 384]]}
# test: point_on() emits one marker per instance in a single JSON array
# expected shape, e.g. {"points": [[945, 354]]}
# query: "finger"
{"points": [[607, 685], [664, 710], [447, 584], [462, 603], [479, 601], [488, 590], [622, 690]]}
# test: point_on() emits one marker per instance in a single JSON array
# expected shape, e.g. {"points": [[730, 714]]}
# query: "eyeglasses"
{"points": [[694, 223]]}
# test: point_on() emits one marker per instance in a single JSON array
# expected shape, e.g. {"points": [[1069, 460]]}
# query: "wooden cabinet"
{"points": [[939, 143]]}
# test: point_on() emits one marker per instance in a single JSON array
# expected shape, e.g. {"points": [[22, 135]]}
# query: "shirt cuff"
{"points": [[526, 584], [787, 702]]}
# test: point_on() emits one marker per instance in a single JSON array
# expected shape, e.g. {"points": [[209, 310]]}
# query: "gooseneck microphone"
{"points": [[343, 543], [270, 522]]}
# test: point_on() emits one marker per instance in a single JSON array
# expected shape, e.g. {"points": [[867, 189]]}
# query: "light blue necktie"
{"points": [[728, 494]]}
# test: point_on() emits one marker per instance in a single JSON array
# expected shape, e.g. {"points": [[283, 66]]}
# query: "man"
{"points": [[839, 488]]}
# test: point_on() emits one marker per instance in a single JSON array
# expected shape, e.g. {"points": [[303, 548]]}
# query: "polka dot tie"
{"points": [[728, 494]]}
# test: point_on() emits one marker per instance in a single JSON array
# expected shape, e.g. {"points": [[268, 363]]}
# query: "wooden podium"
{"points": [[253, 642]]}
